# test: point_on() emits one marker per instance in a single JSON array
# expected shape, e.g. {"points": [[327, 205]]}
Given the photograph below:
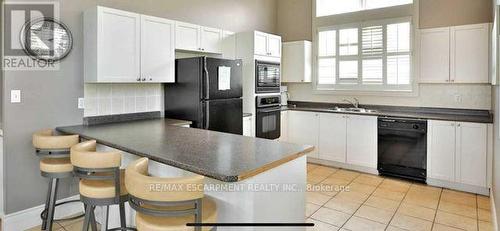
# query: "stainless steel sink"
{"points": [[354, 110]]}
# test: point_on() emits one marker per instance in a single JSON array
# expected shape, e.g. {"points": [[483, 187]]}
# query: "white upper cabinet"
{"points": [[332, 137], [211, 40], [112, 45], [157, 49], [303, 129], [362, 140], [228, 45], [124, 47], [458, 54], [267, 44], [187, 36], [191, 37], [296, 62], [435, 55], [470, 53]]}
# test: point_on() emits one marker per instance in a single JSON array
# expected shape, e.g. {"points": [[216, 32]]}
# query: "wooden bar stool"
{"points": [[55, 164], [167, 203], [101, 181]]}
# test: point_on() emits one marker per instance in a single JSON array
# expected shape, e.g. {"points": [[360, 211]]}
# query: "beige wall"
{"points": [[439, 13], [294, 19], [432, 13]]}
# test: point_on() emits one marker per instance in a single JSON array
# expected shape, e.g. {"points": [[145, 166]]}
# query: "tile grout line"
{"points": [[399, 205], [437, 208]]}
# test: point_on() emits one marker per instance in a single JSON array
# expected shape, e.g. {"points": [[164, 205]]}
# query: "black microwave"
{"points": [[267, 77]]}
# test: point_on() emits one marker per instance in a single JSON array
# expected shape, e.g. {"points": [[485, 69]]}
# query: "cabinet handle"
{"points": [[150, 79], [447, 80], [452, 80], [458, 125], [143, 79], [139, 79]]}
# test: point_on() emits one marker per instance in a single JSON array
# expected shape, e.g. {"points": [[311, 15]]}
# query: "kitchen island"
{"points": [[251, 179]]}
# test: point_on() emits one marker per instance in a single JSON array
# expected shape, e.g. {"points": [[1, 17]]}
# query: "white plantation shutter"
{"points": [[332, 7], [372, 50], [372, 55]]}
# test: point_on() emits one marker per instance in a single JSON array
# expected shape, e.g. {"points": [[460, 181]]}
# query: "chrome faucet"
{"points": [[354, 103]]}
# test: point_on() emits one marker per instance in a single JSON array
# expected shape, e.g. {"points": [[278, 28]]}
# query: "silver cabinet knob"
{"points": [[143, 79], [139, 79]]}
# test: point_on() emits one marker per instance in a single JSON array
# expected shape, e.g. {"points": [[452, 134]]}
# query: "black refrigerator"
{"points": [[208, 92]]}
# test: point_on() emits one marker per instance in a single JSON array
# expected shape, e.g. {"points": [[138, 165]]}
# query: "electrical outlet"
{"points": [[458, 98], [15, 96], [81, 103]]}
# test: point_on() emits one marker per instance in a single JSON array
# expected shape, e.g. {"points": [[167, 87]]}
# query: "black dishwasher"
{"points": [[402, 148]]}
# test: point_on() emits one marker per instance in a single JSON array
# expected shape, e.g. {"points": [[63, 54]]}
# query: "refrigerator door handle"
{"points": [[207, 79]]}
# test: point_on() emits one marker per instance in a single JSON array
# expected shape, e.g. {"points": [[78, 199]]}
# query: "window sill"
{"points": [[351, 92]]}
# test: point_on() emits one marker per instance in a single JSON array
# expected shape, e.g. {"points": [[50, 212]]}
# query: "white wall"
{"points": [[473, 96]]}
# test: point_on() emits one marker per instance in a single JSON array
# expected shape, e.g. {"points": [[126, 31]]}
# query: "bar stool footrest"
{"points": [[122, 229], [43, 214]]}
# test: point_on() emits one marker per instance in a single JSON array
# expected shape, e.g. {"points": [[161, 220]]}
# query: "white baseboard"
{"points": [[459, 186], [343, 165], [30, 218], [494, 220]]}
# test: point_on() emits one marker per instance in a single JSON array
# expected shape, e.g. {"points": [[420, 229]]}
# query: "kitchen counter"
{"points": [[463, 115], [221, 156]]}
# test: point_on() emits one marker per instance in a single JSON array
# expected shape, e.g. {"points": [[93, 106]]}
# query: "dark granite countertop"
{"points": [[463, 115], [222, 156]]}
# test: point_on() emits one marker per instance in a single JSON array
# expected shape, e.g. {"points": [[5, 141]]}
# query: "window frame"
{"points": [[359, 86], [363, 8]]}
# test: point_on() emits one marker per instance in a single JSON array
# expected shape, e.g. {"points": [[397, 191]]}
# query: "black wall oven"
{"points": [[402, 148], [267, 77], [268, 118]]}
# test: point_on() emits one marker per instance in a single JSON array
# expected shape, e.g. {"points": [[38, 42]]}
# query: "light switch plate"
{"points": [[15, 96], [81, 103]]}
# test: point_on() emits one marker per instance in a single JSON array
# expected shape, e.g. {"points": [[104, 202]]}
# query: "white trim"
{"points": [[30, 218], [494, 220], [459, 186], [336, 164]]}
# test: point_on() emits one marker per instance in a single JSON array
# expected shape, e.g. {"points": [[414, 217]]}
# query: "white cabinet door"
{"points": [[274, 45], [361, 144], [470, 53], [296, 62], [441, 148], [284, 126], [157, 50], [435, 55], [303, 129], [211, 40], [247, 126], [187, 36], [260, 43], [228, 45], [471, 154], [119, 42], [332, 137]]}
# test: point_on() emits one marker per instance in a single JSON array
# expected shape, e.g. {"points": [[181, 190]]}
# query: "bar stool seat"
{"points": [[102, 188], [56, 165], [156, 223]]}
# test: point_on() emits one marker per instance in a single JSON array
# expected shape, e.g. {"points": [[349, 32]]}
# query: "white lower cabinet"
{"points": [[332, 137], [350, 139], [284, 126], [361, 145], [303, 129], [457, 152], [247, 126]]}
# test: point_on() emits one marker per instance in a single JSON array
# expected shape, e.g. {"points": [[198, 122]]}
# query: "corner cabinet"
{"points": [[195, 38], [458, 152], [115, 53], [458, 54]]}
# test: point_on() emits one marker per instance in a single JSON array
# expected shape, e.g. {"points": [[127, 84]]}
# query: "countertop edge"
{"points": [[389, 114]]}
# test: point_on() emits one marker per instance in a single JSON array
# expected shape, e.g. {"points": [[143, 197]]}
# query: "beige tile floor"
{"points": [[351, 201], [71, 225], [362, 202]]}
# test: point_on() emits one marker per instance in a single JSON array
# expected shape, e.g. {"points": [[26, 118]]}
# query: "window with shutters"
{"points": [[374, 55], [333, 7]]}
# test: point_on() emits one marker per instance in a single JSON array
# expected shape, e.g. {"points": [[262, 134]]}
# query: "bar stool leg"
{"points": [[123, 223], [88, 214], [52, 203], [93, 221], [47, 203], [107, 219]]}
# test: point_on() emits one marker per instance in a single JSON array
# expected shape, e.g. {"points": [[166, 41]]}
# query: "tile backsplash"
{"points": [[111, 99]]}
